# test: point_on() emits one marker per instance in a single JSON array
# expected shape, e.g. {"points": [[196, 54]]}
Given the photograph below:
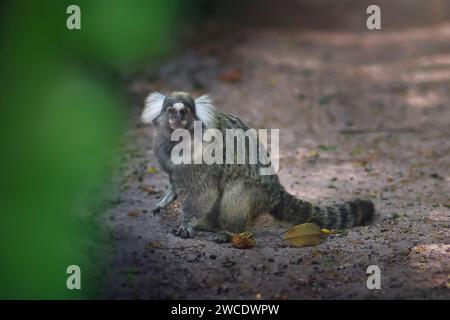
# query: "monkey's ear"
{"points": [[153, 107], [205, 111]]}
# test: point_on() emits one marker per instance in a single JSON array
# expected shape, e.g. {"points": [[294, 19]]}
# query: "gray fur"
{"points": [[227, 197]]}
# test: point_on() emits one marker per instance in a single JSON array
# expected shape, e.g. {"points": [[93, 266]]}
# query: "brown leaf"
{"points": [[232, 75], [244, 240], [305, 234], [154, 244], [149, 190], [134, 213]]}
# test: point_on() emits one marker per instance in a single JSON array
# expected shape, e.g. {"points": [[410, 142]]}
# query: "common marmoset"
{"points": [[226, 197]]}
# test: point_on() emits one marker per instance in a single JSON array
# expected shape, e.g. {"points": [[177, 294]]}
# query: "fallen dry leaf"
{"points": [[305, 234], [134, 213], [312, 154], [149, 190], [232, 75], [244, 240], [154, 245], [152, 170]]}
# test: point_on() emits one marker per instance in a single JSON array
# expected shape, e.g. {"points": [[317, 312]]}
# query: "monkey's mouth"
{"points": [[177, 124]]}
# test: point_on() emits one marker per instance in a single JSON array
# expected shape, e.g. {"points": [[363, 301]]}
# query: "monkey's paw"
{"points": [[222, 237], [184, 232], [157, 209]]}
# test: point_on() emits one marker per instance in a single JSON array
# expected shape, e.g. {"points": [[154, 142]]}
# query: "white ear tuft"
{"points": [[205, 111], [153, 107]]}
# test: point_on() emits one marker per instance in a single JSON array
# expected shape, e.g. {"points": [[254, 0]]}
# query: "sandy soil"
{"points": [[313, 86]]}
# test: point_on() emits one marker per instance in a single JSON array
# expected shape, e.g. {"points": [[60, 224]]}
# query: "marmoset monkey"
{"points": [[226, 197]]}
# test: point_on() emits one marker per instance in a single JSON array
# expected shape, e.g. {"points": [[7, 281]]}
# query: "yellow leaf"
{"points": [[312, 154], [154, 244], [244, 240], [152, 170], [247, 234], [326, 231], [303, 235]]}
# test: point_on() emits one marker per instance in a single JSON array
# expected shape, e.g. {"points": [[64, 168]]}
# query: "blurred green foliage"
{"points": [[61, 116]]}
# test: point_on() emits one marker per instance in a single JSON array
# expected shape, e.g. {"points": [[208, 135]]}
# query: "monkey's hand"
{"points": [[222, 237], [168, 199], [184, 232]]}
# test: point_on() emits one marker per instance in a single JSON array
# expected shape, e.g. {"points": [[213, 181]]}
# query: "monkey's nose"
{"points": [[178, 117]]}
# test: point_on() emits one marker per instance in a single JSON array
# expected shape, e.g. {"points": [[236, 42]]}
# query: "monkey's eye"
{"points": [[184, 111], [171, 110]]}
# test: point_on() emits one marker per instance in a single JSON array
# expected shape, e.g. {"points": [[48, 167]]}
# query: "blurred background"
{"points": [[62, 115], [68, 96]]}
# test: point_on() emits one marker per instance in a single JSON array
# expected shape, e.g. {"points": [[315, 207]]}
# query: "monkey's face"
{"points": [[180, 111]]}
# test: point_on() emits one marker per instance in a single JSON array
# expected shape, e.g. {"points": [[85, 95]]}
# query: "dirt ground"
{"points": [[317, 87]]}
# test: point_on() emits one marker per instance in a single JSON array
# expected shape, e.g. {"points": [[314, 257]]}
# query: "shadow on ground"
{"points": [[314, 85]]}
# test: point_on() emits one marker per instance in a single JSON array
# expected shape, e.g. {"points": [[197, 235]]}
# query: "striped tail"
{"points": [[339, 216]]}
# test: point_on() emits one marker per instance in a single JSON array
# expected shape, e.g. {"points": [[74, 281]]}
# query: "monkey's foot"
{"points": [[157, 209], [160, 207], [222, 237], [165, 202], [184, 232]]}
